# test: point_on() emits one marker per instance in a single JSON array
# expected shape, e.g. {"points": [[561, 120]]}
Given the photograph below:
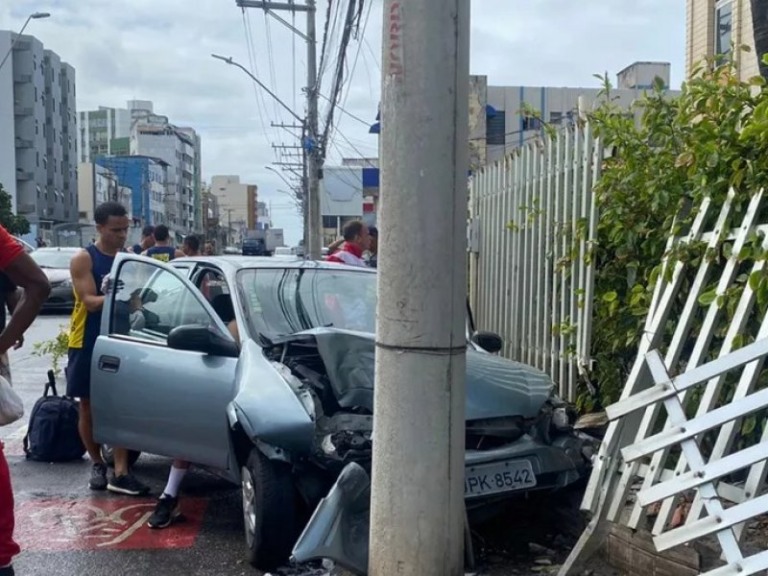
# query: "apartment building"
{"points": [[713, 27], [238, 203], [38, 135]]}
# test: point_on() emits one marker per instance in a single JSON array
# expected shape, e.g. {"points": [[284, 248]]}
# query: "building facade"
{"points": [[146, 177], [97, 184], [713, 27], [101, 131], [506, 117], [38, 133], [238, 204]]}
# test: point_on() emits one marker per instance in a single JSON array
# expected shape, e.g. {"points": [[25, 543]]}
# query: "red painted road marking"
{"points": [[55, 524]]}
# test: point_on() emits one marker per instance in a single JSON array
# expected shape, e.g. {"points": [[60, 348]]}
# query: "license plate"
{"points": [[498, 477]]}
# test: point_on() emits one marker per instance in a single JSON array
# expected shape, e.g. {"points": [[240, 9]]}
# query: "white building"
{"points": [[498, 118], [38, 137], [101, 131], [236, 200], [96, 185], [153, 135]]}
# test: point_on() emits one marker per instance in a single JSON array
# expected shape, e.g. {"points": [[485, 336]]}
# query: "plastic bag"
{"points": [[11, 405]]}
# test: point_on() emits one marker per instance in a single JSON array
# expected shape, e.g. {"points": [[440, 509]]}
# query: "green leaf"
{"points": [[754, 280], [748, 425], [707, 298], [610, 296]]}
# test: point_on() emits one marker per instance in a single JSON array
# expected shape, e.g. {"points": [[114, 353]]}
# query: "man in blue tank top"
{"points": [[88, 269], [162, 250]]}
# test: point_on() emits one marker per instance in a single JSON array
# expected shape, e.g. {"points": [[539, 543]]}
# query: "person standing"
{"points": [[147, 240], [21, 271], [162, 250], [88, 268], [356, 242], [373, 248], [191, 246]]}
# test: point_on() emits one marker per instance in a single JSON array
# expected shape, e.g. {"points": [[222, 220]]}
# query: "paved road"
{"points": [[64, 528]]}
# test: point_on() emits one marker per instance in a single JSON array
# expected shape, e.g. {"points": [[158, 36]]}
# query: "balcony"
{"points": [[23, 176], [22, 78], [22, 110], [23, 143]]}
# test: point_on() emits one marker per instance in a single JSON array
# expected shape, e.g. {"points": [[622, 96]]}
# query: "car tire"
{"points": [[109, 458], [269, 511]]}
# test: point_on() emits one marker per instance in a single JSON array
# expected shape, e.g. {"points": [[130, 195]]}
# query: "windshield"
{"points": [[281, 301], [53, 258]]}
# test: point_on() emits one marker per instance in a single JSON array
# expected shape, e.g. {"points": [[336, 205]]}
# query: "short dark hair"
{"points": [[104, 211], [373, 231], [352, 229], [193, 241], [147, 231], [161, 233]]}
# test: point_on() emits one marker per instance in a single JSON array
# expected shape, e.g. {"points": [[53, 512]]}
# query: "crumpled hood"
{"points": [[495, 386]]}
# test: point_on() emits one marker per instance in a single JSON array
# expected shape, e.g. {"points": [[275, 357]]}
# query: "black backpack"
{"points": [[52, 435]]}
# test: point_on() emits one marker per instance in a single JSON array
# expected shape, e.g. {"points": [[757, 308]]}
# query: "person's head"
{"points": [[162, 234], [112, 225], [373, 232], [148, 236], [208, 249], [356, 233], [191, 246]]}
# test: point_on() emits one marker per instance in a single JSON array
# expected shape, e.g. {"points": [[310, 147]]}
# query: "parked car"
{"points": [[283, 413], [55, 264], [28, 248]]}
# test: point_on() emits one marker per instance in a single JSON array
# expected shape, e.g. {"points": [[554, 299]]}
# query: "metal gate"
{"points": [[688, 425], [532, 222]]}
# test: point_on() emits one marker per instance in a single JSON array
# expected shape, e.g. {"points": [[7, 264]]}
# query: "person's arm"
{"points": [[12, 300], [179, 254], [80, 269], [26, 274]]}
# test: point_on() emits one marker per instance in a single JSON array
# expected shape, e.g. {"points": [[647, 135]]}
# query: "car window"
{"points": [[149, 302]]}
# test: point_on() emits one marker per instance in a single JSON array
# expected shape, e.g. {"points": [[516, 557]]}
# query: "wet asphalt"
{"points": [[66, 529]]}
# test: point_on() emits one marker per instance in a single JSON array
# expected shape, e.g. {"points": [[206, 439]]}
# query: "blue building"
{"points": [[146, 176]]}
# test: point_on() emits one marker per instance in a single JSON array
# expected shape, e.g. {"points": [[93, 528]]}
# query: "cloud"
{"points": [[160, 51]]}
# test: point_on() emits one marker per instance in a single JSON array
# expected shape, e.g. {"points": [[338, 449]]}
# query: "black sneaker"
{"points": [[98, 480], [166, 511], [7, 571], [127, 484]]}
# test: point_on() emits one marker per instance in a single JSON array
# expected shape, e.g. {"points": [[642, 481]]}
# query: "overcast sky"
{"points": [[160, 50]]}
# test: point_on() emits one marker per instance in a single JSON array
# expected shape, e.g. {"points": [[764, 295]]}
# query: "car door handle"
{"points": [[109, 363]]}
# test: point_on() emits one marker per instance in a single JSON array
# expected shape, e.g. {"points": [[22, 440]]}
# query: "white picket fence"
{"points": [[529, 280], [677, 434]]}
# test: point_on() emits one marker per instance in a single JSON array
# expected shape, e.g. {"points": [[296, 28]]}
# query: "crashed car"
{"points": [[283, 412]]}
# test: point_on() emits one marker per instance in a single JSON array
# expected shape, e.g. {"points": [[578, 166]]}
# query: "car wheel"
{"points": [[269, 511], [108, 456]]}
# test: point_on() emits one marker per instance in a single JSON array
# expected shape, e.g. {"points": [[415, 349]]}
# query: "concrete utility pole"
{"points": [[311, 139], [417, 505]]}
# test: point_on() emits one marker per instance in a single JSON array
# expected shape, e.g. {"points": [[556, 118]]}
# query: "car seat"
{"points": [[222, 305]]}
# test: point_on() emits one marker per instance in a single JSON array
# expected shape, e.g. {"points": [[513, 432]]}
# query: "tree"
{"points": [[13, 223], [760, 27]]}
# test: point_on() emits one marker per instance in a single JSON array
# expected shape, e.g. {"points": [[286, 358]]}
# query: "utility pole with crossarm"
{"points": [[311, 139]]}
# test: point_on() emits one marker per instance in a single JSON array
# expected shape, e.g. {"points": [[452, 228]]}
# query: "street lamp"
{"points": [[33, 16]]}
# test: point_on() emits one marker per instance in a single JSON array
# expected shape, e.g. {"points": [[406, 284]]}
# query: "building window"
{"points": [[723, 26], [555, 117], [496, 128], [531, 123]]}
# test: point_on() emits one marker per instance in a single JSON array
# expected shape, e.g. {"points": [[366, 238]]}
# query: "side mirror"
{"points": [[198, 338], [488, 341]]}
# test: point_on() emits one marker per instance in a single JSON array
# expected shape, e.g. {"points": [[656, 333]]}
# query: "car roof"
{"points": [[235, 263]]}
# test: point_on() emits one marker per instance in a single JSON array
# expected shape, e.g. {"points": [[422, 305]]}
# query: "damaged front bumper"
{"points": [[339, 527]]}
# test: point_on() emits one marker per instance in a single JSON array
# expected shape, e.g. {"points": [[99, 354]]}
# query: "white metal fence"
{"points": [[689, 431], [532, 220]]}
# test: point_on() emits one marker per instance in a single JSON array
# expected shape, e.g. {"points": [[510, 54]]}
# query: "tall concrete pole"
{"points": [[417, 507], [314, 163]]}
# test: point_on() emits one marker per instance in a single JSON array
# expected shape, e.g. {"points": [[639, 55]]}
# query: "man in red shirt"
{"points": [[356, 241], [23, 272]]}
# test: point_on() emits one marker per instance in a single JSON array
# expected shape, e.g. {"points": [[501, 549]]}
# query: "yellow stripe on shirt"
{"points": [[77, 324]]}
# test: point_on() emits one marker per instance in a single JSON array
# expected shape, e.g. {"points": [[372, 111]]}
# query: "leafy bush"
{"points": [[712, 137]]}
